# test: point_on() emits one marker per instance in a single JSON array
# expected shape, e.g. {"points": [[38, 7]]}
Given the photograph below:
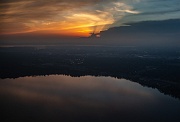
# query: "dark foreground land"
{"points": [[153, 67]]}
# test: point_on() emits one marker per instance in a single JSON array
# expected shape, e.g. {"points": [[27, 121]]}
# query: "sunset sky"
{"points": [[80, 17]]}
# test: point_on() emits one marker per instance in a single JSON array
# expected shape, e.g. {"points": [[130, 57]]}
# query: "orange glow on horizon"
{"points": [[59, 17]]}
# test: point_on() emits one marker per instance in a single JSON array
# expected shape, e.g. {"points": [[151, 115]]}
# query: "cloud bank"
{"points": [[80, 17]]}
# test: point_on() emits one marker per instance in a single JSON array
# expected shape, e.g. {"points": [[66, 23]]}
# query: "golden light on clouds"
{"points": [[63, 17]]}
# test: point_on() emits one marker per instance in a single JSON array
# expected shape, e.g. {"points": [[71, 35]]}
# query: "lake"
{"points": [[87, 99]]}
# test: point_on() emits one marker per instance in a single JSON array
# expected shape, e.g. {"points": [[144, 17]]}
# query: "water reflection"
{"points": [[88, 98]]}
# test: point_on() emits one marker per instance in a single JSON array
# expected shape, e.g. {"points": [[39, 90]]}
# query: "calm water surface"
{"points": [[88, 98]]}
